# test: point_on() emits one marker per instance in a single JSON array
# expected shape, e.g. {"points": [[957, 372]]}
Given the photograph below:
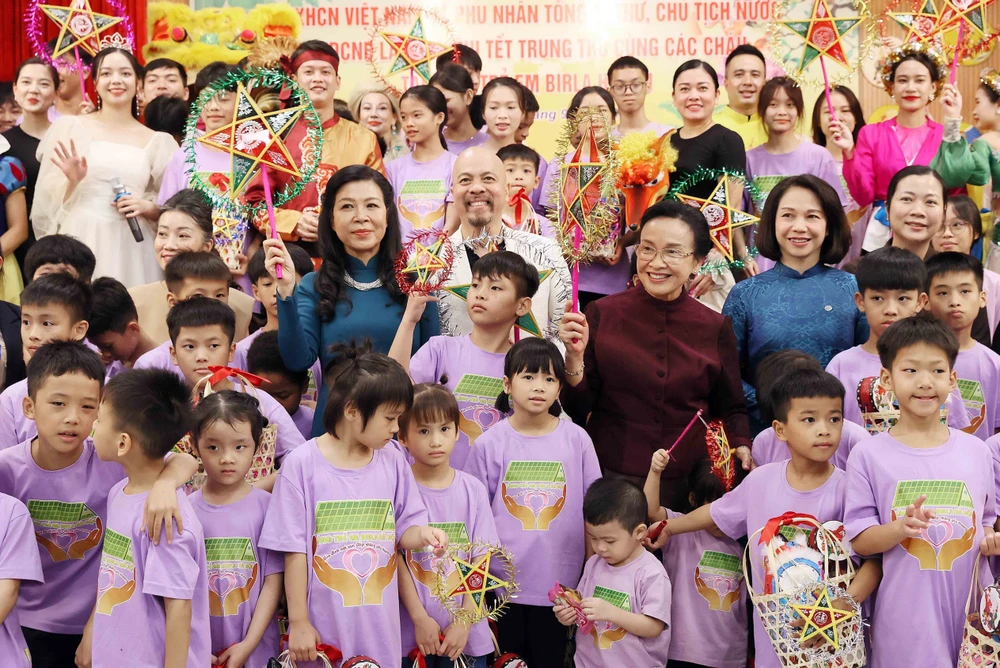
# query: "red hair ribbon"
{"points": [[222, 372], [331, 652], [292, 66], [775, 523]]}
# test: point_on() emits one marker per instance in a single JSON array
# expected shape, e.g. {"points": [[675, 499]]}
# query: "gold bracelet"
{"points": [[573, 374]]}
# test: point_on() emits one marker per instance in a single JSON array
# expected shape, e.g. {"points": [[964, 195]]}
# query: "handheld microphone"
{"points": [[133, 224]]}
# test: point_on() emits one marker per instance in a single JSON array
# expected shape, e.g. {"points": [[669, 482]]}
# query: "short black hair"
{"points": [[627, 62], [60, 249], [967, 210], [466, 57], [688, 215], [368, 380], [256, 268], [211, 73], [35, 60], [168, 114], [890, 268], [506, 264], [532, 355], [746, 50], [921, 327], [804, 384], [953, 263], [7, 93], [153, 406], [201, 311], [232, 408], [432, 402], [264, 356], [520, 152], [165, 63], [195, 265], [61, 289], [696, 64], [614, 500], [530, 101], [112, 308], [316, 45], [193, 204], [59, 358], [914, 170], [773, 368], [838, 232], [452, 76]]}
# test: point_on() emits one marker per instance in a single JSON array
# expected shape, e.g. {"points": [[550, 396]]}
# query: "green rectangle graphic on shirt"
{"points": [[720, 561], [118, 546], [971, 390], [424, 187], [618, 599], [60, 511], [940, 493], [229, 549], [520, 471], [457, 533], [484, 387], [362, 515]]}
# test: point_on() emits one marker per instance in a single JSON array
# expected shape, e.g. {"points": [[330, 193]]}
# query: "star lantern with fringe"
{"points": [[526, 323], [415, 37], [424, 263], [958, 29], [475, 564], [721, 453], [721, 207]]}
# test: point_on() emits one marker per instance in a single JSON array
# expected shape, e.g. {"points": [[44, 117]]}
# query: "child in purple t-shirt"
{"points": [[955, 289], [65, 487], [523, 165], [471, 366], [18, 563], [114, 326], [705, 569], [536, 469], [344, 503], [456, 503], [626, 593], [422, 179], [921, 496], [286, 386], [808, 408], [152, 599], [244, 580]]}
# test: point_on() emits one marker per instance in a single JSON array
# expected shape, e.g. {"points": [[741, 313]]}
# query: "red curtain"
{"points": [[15, 41]]}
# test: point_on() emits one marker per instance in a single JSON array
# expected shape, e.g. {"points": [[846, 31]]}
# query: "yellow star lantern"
{"points": [[424, 263], [254, 139], [476, 576], [722, 214], [526, 322], [413, 51], [823, 33], [80, 27], [822, 619], [930, 20]]}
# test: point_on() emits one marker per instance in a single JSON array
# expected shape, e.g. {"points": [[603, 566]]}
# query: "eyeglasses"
{"points": [[633, 87], [956, 228], [646, 252]]}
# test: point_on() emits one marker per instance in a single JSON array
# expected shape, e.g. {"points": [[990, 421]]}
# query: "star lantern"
{"points": [[80, 27], [526, 322], [581, 191], [823, 34], [476, 580], [424, 263], [822, 619], [477, 575], [722, 214], [413, 52], [929, 20]]}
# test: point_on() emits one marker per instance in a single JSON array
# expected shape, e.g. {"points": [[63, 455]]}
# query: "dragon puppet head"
{"points": [[645, 162]]}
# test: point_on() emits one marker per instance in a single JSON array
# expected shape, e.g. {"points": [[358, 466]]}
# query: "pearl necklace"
{"points": [[364, 287]]}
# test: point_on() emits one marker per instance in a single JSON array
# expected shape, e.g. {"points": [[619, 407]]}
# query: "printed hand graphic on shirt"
{"points": [[606, 634], [534, 492], [232, 572], [116, 580], [975, 403], [477, 396], [421, 562], [719, 577], [354, 549], [951, 533], [65, 530], [421, 202]]}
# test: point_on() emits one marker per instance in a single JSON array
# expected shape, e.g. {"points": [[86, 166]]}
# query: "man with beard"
{"points": [[315, 67], [479, 188], [745, 76]]}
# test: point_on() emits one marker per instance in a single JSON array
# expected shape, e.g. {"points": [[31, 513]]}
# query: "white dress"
{"points": [[89, 214]]}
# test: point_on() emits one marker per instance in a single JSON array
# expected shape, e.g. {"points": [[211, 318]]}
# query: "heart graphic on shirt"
{"points": [[938, 532], [361, 563], [721, 584], [63, 538], [485, 416], [105, 579], [222, 583], [536, 501]]}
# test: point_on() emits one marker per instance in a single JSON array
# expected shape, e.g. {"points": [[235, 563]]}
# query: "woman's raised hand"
{"points": [[72, 164], [276, 254], [840, 136]]}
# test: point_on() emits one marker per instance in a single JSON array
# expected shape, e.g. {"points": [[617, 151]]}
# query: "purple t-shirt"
{"points": [[347, 523], [237, 567], [768, 449], [176, 177], [68, 508], [475, 377], [926, 579], [456, 147], [641, 587], [159, 358], [765, 494], [856, 364], [14, 426], [709, 599], [240, 362], [303, 420], [18, 561], [462, 511], [978, 371], [130, 624], [766, 170], [536, 486], [422, 191]]}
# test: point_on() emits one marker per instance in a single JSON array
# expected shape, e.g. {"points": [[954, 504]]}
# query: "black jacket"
{"points": [[10, 329]]}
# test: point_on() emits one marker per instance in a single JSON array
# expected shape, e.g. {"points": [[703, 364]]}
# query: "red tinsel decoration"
{"points": [[721, 454], [425, 262]]}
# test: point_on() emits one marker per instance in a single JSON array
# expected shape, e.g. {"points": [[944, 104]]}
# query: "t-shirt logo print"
{"points": [[421, 202], [975, 403], [354, 549], [232, 573], [116, 581], [534, 492], [718, 578], [65, 530], [606, 634], [458, 534], [951, 533], [477, 396]]}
